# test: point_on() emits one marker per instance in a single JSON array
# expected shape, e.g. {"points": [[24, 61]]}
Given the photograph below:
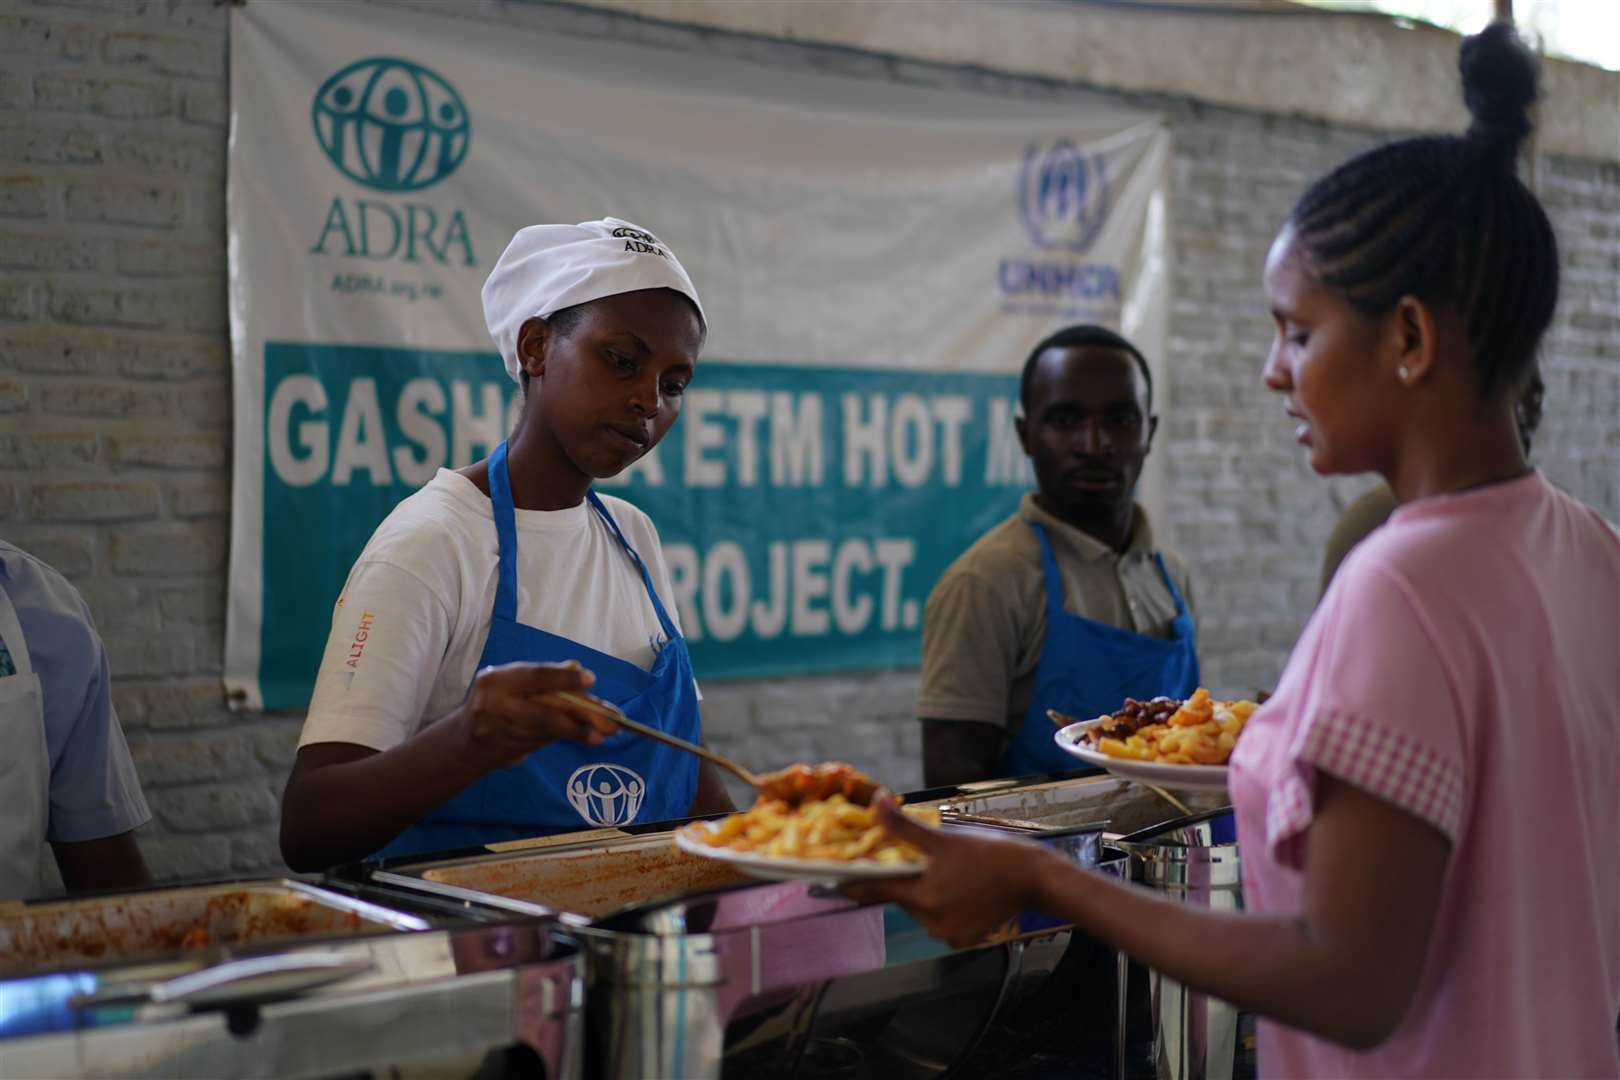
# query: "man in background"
{"points": [[1069, 604]]}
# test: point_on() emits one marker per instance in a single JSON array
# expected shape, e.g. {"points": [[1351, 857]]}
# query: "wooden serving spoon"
{"points": [[792, 785]]}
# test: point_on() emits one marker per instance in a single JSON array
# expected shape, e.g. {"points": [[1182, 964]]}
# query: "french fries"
{"points": [[832, 828], [1201, 732]]}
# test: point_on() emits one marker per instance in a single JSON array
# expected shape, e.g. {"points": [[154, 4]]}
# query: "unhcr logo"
{"points": [[391, 124], [1062, 196]]}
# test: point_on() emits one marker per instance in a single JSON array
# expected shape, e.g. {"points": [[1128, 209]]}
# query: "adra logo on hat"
{"points": [[391, 124], [642, 243]]}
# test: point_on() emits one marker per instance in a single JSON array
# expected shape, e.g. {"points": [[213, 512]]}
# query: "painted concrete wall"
{"points": [[1267, 55]]}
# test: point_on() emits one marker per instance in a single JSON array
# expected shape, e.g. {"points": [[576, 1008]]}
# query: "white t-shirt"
{"points": [[410, 626]]}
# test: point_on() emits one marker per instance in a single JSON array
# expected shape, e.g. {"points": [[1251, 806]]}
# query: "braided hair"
{"points": [[1446, 220]]}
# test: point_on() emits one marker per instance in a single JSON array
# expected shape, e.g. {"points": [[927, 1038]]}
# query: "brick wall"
{"points": [[1249, 514], [114, 388]]}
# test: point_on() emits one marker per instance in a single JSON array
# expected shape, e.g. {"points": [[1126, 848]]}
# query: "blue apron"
{"points": [[1088, 668], [566, 784]]}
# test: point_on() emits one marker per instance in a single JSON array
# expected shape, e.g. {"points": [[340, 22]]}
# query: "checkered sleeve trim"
{"points": [[1381, 761]]}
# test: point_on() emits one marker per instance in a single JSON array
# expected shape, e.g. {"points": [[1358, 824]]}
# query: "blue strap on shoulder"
{"points": [[1175, 593], [646, 578], [1049, 567], [500, 497]]}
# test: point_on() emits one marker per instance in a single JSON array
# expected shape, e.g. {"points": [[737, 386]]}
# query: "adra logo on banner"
{"points": [[396, 127], [391, 125]]}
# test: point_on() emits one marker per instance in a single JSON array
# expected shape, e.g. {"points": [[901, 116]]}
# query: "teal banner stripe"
{"points": [[805, 512]]}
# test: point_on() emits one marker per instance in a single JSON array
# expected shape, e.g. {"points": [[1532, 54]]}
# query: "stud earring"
{"points": [[1405, 373]]}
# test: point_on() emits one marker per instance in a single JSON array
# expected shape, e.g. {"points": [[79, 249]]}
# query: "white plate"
{"points": [[773, 868], [1163, 773]]}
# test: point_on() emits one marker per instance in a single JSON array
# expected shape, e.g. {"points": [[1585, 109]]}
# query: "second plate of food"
{"points": [[1166, 774], [692, 840]]}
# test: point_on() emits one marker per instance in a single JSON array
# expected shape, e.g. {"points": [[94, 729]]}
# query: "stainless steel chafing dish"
{"points": [[588, 874], [280, 978], [693, 970], [1051, 805], [45, 935], [747, 979], [1078, 1025], [782, 979]]}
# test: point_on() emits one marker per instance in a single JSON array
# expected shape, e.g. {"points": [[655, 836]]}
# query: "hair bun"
{"points": [[1499, 82]]}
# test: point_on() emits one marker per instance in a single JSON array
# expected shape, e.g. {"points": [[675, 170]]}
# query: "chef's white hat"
{"points": [[550, 267]]}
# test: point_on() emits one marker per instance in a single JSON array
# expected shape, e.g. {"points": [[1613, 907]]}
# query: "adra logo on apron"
{"points": [[606, 794]]}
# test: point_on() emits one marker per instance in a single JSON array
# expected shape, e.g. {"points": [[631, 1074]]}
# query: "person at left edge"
{"points": [[431, 726], [1069, 604], [66, 777]]}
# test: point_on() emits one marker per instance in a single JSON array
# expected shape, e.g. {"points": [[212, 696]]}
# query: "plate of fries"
{"points": [[829, 839], [1182, 745]]}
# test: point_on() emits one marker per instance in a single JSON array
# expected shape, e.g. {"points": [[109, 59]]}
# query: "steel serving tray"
{"points": [[1061, 804], [589, 877], [789, 979], [502, 998], [692, 970], [148, 924]]}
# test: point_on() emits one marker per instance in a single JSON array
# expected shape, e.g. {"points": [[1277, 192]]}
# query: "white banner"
{"points": [[876, 261]]}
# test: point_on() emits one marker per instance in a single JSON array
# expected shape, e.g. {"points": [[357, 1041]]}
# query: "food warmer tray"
{"points": [[908, 1007], [1048, 806], [788, 979], [1074, 1027], [588, 874], [293, 980], [693, 970]]}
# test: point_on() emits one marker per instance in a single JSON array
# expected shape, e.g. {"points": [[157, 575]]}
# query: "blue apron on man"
{"points": [[566, 784], [1088, 668]]}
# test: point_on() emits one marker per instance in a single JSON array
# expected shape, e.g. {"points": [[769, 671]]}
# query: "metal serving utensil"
{"points": [[1061, 719], [1064, 720], [777, 785], [954, 817], [616, 714], [238, 982], [1166, 796]]}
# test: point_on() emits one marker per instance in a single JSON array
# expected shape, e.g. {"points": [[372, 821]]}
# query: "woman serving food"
{"points": [[1445, 727], [434, 722]]}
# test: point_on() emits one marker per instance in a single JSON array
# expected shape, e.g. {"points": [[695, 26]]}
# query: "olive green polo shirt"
{"points": [[985, 621]]}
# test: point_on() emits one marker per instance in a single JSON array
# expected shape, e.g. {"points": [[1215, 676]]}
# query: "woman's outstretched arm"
{"points": [[1345, 968]]}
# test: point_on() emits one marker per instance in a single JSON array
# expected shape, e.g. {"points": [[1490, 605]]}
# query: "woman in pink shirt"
{"points": [[1427, 807]]}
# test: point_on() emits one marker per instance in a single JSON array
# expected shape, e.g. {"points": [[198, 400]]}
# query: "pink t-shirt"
{"points": [[1465, 666]]}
